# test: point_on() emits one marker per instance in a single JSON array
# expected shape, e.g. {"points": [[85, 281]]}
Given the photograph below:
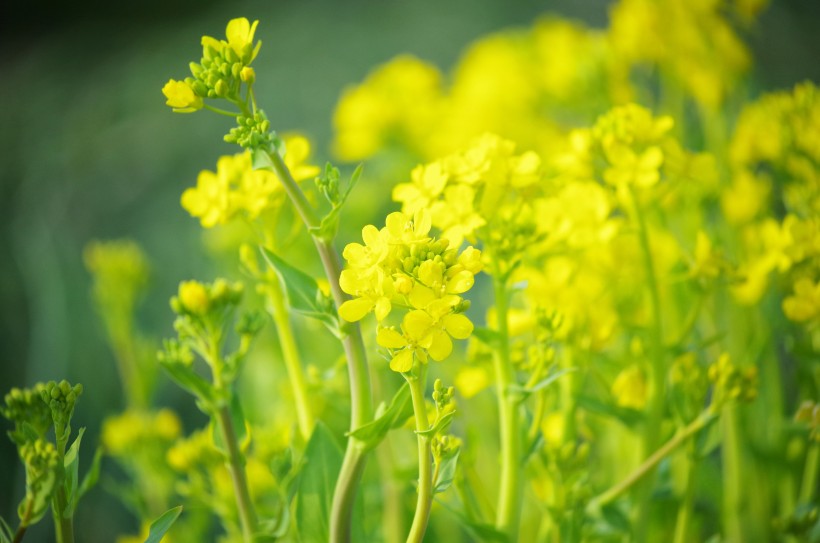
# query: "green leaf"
{"points": [[185, 377], [160, 526], [330, 223], [323, 461], [630, 417], [487, 336], [440, 425], [387, 418], [616, 518], [446, 473], [261, 160], [273, 529], [6, 535], [93, 474], [479, 531], [72, 475], [542, 384], [303, 294]]}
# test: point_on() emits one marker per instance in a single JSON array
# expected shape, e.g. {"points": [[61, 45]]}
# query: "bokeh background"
{"points": [[89, 151]]}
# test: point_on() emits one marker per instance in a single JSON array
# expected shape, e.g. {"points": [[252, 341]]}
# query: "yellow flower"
{"points": [[194, 297], [240, 38], [629, 388], [181, 97], [209, 200], [804, 304], [470, 380]]}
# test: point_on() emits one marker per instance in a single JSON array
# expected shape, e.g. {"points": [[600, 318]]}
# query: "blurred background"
{"points": [[90, 151]]}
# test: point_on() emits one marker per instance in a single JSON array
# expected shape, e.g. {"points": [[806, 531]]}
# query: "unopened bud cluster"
{"points": [[733, 383]]}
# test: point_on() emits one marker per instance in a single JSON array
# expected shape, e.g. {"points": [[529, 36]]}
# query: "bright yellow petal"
{"points": [[387, 337], [458, 326], [403, 361], [441, 346], [355, 310], [417, 324]]}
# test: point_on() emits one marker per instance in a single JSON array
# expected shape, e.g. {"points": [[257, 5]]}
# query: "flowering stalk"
{"points": [[658, 367], [425, 488], [290, 355], [361, 407], [651, 462], [509, 497]]}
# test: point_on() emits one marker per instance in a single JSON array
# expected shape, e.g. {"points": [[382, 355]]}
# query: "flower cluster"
{"points": [[224, 67], [122, 434], [235, 188], [402, 265]]}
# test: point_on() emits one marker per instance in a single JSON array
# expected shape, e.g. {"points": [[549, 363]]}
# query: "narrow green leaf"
{"points": [[323, 460], [446, 473], [160, 526], [372, 433], [93, 474], [185, 377], [303, 293], [72, 475], [6, 535], [479, 531], [261, 160], [489, 337], [629, 417], [440, 425]]}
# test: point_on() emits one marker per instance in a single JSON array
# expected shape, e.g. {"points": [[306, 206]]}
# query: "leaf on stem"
{"points": [[72, 476], [185, 377], [323, 461], [439, 426], [387, 418], [446, 473], [303, 293], [160, 526], [330, 223]]}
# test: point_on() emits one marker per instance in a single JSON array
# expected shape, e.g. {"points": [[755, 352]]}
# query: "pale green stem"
{"points": [[361, 401], [21, 530], [509, 498], [809, 484], [425, 489], [686, 508], [63, 526], [652, 462], [290, 355], [234, 461], [658, 368], [236, 468], [734, 503]]}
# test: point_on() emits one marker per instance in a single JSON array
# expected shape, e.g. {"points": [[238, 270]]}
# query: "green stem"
{"points": [[425, 491], [652, 435], [650, 463], [809, 483], [734, 503], [247, 516], [21, 530], [290, 355], [361, 408], [509, 498], [63, 526], [686, 508]]}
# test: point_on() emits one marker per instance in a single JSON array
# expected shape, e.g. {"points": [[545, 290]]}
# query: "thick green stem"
{"points": [[734, 502], [293, 364], [809, 484], [425, 490], [63, 526], [21, 530], [509, 496], [686, 508], [235, 464], [361, 400], [651, 463], [657, 396]]}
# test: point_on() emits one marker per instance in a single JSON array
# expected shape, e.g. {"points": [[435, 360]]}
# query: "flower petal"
{"points": [[355, 310], [458, 326], [403, 361]]}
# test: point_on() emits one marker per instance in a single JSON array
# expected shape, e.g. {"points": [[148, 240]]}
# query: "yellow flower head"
{"points": [[194, 297], [181, 97], [240, 38]]}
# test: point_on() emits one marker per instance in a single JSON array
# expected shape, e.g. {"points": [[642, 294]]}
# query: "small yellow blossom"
{"points": [[181, 97], [194, 297], [804, 304], [629, 388], [240, 37]]}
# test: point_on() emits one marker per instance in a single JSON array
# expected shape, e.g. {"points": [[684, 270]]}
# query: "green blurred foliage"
{"points": [[89, 151]]}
